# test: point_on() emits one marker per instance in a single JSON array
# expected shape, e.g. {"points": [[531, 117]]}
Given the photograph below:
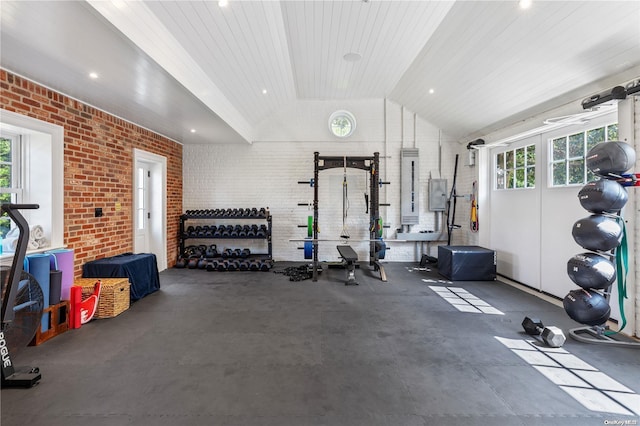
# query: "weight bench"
{"points": [[349, 259]]}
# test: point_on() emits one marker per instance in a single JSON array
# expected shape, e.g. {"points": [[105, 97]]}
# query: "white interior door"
{"points": [[142, 208], [149, 205]]}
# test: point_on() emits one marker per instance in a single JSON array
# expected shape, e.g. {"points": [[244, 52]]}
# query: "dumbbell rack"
{"points": [[209, 215]]}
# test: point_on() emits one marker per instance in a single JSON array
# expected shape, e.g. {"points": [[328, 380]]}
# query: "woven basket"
{"points": [[114, 295]]}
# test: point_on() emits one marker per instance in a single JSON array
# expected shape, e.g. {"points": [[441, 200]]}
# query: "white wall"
{"points": [[265, 174]]}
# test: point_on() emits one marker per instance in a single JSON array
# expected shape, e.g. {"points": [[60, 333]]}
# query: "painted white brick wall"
{"points": [[265, 174]]}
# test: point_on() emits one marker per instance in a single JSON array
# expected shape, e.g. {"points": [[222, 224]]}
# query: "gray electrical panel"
{"points": [[409, 186], [438, 195]]}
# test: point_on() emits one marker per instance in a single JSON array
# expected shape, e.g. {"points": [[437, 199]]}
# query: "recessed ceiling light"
{"points": [[93, 75], [352, 57], [525, 4], [223, 3], [193, 130], [431, 91], [264, 91]]}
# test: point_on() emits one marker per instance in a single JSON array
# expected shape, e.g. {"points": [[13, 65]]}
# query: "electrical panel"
{"points": [[438, 195], [409, 186]]}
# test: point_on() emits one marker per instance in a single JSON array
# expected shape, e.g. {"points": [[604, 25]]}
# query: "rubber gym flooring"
{"points": [[253, 348]]}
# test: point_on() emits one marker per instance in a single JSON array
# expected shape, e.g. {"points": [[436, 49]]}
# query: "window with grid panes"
{"points": [[516, 168], [568, 153]]}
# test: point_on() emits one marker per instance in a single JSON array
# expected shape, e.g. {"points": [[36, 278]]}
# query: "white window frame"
{"points": [[587, 175], [51, 212]]}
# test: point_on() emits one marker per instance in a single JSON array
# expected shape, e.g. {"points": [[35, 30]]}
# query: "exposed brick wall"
{"points": [[98, 169]]}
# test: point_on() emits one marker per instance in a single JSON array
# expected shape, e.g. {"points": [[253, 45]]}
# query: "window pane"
{"points": [[500, 179], [576, 171], [5, 221], [612, 132], [531, 155], [531, 177], [5, 176], [559, 149], [595, 136], [140, 198], [509, 158], [5, 226], [591, 176], [509, 180], [140, 177], [576, 145], [520, 157], [140, 219], [5, 150], [559, 173], [519, 178]]}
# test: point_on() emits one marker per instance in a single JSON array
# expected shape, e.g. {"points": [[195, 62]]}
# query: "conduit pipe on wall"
{"points": [[414, 129], [386, 156]]}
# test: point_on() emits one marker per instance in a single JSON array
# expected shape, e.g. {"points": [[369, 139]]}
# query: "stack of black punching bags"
{"points": [[600, 233]]}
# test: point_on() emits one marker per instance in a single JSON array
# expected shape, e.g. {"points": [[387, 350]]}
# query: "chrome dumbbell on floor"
{"points": [[551, 336]]}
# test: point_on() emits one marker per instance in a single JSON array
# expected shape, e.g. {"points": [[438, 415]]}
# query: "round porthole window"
{"points": [[342, 123]]}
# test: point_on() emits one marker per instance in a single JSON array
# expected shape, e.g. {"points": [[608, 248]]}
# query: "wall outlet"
{"points": [[98, 212]]}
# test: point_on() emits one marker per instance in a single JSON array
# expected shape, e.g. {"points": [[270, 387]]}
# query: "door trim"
{"points": [[158, 200]]}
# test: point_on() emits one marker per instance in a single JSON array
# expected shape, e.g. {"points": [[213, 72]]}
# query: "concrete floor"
{"points": [[253, 348]]}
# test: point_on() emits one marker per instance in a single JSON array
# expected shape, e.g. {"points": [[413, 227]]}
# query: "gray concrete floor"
{"points": [[253, 348]]}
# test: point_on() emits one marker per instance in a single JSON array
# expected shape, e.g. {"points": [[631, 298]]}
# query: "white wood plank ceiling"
{"points": [[176, 65]]}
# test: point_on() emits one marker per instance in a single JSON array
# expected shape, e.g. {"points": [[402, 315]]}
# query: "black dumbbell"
{"points": [[245, 253], [551, 336], [265, 265], [254, 265], [233, 265], [212, 265], [243, 265]]}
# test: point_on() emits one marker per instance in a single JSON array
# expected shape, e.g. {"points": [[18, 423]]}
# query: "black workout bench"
{"points": [[349, 259]]}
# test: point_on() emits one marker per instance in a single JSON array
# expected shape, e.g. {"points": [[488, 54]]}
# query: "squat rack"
{"points": [[370, 165]]}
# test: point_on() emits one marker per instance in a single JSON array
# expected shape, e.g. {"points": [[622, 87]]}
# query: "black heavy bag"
{"points": [[587, 307], [597, 232], [591, 270], [610, 158], [600, 196]]}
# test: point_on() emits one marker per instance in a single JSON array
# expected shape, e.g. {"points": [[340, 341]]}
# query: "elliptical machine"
{"points": [[22, 306]]}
